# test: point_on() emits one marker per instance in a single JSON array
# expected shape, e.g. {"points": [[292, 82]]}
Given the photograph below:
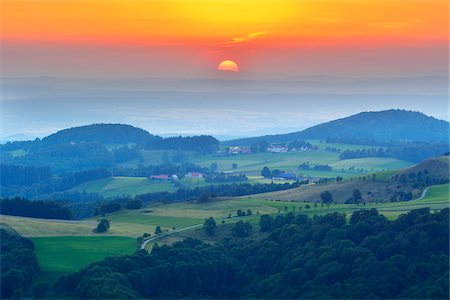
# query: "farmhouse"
{"points": [[194, 175], [240, 150], [277, 149], [160, 177]]}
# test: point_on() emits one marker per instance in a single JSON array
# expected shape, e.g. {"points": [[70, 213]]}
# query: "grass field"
{"points": [[62, 255], [372, 164], [132, 186]]}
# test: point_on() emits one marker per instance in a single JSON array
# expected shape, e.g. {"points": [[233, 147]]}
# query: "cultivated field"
{"points": [[66, 254]]}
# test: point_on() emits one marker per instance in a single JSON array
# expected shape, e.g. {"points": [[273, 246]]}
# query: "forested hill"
{"points": [[101, 133], [388, 125]]}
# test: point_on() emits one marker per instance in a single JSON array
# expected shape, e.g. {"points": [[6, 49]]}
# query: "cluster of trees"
{"points": [[267, 173], [39, 181], [307, 166], [259, 147], [126, 153], [297, 144], [19, 265], [367, 257], [356, 197], [34, 209], [203, 144], [23, 176], [421, 178], [242, 229], [223, 190], [71, 180], [225, 177], [411, 152]]}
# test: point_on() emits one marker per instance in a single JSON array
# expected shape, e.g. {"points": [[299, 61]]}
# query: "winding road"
{"points": [[424, 193], [144, 244]]}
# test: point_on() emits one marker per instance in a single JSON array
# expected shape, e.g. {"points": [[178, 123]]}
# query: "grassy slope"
{"points": [[124, 186], [62, 255], [340, 191]]}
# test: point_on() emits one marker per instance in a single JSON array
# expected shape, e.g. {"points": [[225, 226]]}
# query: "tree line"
{"points": [[34, 209]]}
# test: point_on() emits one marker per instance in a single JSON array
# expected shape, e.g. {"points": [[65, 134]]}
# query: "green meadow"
{"points": [[66, 254]]}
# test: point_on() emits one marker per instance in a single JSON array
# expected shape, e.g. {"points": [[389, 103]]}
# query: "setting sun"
{"points": [[228, 65]]}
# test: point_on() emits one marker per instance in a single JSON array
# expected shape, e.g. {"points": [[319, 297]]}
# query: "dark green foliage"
{"points": [[101, 133], [266, 173], [34, 209], [308, 258], [19, 265], [356, 197], [110, 206], [242, 229], [125, 153], [203, 144], [326, 197], [204, 197], [158, 230], [259, 147], [71, 180], [68, 157], [134, 204], [102, 226], [23, 176], [210, 226], [265, 223]]}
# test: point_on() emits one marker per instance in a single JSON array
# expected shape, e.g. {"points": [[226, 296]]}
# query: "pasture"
{"points": [[63, 255], [117, 186]]}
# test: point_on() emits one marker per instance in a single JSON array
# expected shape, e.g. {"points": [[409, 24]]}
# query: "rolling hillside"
{"points": [[388, 125]]}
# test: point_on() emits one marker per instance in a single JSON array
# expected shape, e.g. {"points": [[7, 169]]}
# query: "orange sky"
{"points": [[225, 22], [218, 29]]}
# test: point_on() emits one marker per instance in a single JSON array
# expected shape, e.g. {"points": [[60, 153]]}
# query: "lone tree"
{"points": [[210, 226], [234, 165], [102, 226], [241, 229], [158, 230], [356, 197], [326, 197], [266, 173]]}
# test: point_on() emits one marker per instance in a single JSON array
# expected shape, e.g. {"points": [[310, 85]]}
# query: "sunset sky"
{"points": [[185, 40]]}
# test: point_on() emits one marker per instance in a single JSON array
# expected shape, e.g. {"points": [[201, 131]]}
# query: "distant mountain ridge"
{"points": [[387, 125]]}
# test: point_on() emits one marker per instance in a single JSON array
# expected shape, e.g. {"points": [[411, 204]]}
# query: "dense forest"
{"points": [[19, 265], [34, 209], [203, 144], [302, 257]]}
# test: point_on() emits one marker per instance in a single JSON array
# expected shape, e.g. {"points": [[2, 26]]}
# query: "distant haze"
{"points": [[224, 107]]}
